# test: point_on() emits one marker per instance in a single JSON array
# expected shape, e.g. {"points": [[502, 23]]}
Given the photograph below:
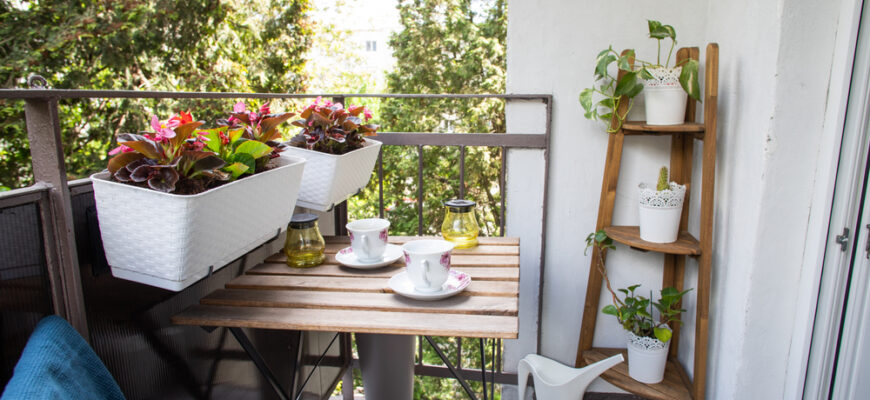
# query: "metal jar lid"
{"points": [[459, 206], [303, 221]]}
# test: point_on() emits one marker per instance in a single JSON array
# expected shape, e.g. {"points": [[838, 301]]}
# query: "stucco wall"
{"points": [[775, 65]]}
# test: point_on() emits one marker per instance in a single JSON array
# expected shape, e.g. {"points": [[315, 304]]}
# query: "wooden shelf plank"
{"points": [[508, 274], [641, 127], [478, 305], [673, 387], [365, 285], [397, 323], [686, 244]]}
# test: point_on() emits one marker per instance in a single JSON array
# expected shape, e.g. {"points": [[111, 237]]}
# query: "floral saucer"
{"points": [[457, 281], [392, 253]]}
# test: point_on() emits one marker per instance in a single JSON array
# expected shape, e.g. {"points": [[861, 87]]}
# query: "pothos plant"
{"points": [[328, 127], [177, 157], [611, 91], [635, 312]]}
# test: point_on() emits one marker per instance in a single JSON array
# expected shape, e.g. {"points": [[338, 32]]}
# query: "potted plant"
{"points": [[665, 87], [648, 337], [660, 209], [339, 156], [177, 203]]}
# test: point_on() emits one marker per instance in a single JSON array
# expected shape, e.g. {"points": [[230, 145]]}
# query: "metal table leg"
{"points": [[452, 369], [252, 352]]}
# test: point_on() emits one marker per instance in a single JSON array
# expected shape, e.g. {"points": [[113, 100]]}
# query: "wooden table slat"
{"points": [[457, 260], [332, 248], [368, 285], [482, 240], [477, 273], [397, 323], [479, 305]]}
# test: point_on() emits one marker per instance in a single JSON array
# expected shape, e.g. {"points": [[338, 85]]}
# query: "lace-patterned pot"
{"points": [[660, 212], [665, 99], [647, 358]]}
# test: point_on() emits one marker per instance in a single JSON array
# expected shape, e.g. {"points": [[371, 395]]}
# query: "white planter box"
{"points": [[330, 179], [171, 241]]}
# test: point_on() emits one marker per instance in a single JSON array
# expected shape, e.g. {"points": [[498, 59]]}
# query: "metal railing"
{"points": [[52, 191]]}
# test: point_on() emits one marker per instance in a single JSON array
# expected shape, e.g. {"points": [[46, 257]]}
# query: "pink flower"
{"points": [[202, 136], [239, 107], [120, 149], [163, 130], [367, 113], [264, 109], [225, 140], [318, 100]]}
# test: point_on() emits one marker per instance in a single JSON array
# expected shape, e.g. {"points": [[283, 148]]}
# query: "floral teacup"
{"points": [[428, 263], [368, 238]]}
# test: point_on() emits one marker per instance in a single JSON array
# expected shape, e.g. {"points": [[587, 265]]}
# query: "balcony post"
{"points": [[46, 149]]}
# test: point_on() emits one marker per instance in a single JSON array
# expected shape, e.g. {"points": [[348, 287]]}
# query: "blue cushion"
{"points": [[58, 364]]}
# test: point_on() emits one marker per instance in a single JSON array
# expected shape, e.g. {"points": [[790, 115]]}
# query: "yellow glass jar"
{"points": [[304, 245], [459, 225]]}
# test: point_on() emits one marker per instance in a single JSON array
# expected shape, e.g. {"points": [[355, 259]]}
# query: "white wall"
{"points": [[775, 65]]}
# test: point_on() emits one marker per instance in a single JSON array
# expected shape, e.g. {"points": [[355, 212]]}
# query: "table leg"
{"points": [[259, 362], [387, 364]]}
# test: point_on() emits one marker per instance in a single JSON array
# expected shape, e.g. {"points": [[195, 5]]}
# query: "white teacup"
{"points": [[428, 263], [368, 238]]}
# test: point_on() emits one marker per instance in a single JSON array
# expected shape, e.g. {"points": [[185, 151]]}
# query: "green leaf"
{"points": [[663, 334], [254, 148], [245, 159], [609, 309], [659, 31], [586, 99], [645, 74], [236, 169], [626, 84], [601, 64], [635, 90], [689, 79], [625, 60]]}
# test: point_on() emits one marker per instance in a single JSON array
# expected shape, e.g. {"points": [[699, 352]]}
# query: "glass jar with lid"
{"points": [[460, 225], [304, 244]]}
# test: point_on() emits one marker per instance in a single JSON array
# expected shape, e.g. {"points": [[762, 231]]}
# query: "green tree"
{"points": [[186, 45], [446, 46]]}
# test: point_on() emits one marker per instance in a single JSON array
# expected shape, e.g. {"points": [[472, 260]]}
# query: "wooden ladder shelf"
{"points": [[676, 384]]}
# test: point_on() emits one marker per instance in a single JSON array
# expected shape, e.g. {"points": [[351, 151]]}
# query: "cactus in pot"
{"points": [[660, 209]]}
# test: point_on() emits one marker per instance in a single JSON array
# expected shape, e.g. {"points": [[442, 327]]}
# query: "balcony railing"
{"points": [[52, 198]]}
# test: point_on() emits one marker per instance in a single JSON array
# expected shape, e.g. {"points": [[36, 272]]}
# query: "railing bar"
{"points": [[420, 190], [521, 140], [501, 191], [439, 371], [144, 94], [381, 182], [461, 172], [459, 353], [28, 195], [492, 387], [420, 350]]}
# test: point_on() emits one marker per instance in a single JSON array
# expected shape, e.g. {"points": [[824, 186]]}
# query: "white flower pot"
{"points": [[647, 358], [330, 179], [664, 98], [171, 241], [660, 212]]}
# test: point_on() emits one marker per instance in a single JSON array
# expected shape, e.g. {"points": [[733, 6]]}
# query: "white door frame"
{"points": [[852, 66]]}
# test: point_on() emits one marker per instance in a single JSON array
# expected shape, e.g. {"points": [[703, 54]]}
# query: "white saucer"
{"points": [[392, 253], [457, 281]]}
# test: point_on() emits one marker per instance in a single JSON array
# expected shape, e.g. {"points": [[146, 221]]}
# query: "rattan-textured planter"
{"points": [[330, 179], [171, 241]]}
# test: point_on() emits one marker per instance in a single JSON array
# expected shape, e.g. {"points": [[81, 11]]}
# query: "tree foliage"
{"points": [[185, 45], [446, 46]]}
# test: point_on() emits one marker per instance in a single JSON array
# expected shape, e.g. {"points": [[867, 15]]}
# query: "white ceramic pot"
{"points": [[660, 212], [647, 358], [330, 179], [664, 98], [171, 241]]}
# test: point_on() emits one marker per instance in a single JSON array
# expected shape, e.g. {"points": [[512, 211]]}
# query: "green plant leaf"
{"points": [[626, 84], [645, 74], [625, 59], [609, 309], [586, 99], [659, 31], [254, 148], [245, 159], [663, 334], [236, 169], [601, 64], [689, 79]]}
